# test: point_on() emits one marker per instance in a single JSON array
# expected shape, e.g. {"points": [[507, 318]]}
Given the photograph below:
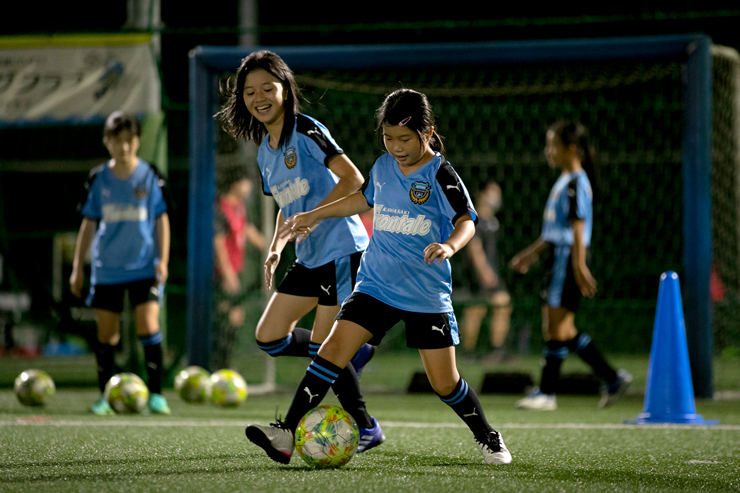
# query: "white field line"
{"points": [[390, 424]]}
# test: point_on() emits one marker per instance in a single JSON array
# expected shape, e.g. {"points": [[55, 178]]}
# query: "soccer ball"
{"points": [[326, 437], [228, 388], [126, 393], [32, 387], [193, 384]]}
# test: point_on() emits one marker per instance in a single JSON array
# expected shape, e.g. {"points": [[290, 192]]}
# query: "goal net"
{"points": [[669, 192]]}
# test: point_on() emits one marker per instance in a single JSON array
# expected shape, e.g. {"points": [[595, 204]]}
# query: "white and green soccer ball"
{"points": [[34, 387], [327, 437], [193, 384], [126, 393], [228, 388]]}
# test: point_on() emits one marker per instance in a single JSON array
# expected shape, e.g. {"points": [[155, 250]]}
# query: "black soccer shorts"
{"points": [[423, 330]]}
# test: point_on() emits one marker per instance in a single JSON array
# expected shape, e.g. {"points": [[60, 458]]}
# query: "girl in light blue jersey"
{"points": [[302, 167], [566, 236], [422, 216], [125, 209]]}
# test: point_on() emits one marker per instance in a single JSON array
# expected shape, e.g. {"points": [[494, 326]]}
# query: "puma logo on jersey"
{"points": [[456, 187], [474, 413], [440, 330], [310, 395], [313, 131], [326, 289]]}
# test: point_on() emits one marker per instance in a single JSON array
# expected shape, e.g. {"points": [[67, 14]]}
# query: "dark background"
{"points": [[31, 214]]}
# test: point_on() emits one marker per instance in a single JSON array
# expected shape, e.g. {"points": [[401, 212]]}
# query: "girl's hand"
{"points": [[522, 262], [297, 226], [585, 281], [75, 283], [438, 251], [161, 273], [271, 263]]}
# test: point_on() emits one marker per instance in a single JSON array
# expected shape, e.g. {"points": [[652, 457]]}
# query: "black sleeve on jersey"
{"points": [[572, 192], [367, 181], [166, 193], [308, 128], [87, 186], [452, 187]]}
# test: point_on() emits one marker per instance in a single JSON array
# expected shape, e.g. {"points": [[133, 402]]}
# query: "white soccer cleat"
{"points": [[493, 449], [611, 393], [276, 440], [538, 401]]}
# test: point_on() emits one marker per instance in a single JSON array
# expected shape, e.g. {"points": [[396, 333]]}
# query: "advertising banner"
{"points": [[76, 79]]}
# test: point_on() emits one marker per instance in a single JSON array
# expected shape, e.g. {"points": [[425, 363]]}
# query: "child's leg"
{"points": [[147, 328], [109, 334], [347, 384], [500, 318], [276, 332], [581, 344], [471, 321], [454, 391], [560, 330], [335, 353]]}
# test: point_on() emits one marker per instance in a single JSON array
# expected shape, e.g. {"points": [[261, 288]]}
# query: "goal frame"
{"points": [[693, 50]]}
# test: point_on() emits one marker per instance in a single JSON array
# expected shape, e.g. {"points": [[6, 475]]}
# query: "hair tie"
{"points": [[404, 121]]}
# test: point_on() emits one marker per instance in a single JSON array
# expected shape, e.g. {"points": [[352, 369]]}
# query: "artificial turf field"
{"points": [[60, 448]]}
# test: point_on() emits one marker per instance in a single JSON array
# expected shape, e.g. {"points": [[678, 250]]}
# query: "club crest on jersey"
{"points": [[420, 191], [290, 157], [140, 192]]}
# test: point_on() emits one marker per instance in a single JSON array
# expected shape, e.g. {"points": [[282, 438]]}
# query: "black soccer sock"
{"points": [[320, 376], [464, 401], [295, 344], [555, 352], [347, 389], [104, 357], [586, 350], [153, 358]]}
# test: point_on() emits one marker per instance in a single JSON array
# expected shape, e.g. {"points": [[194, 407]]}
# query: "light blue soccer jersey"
{"points": [[297, 176], [570, 199], [410, 213], [125, 247]]}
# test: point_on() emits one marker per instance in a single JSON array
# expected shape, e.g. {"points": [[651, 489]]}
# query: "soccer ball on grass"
{"points": [[193, 384], [327, 437], [228, 388], [33, 387], [126, 393]]}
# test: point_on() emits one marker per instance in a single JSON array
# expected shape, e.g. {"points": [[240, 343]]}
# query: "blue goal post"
{"points": [[692, 50]]}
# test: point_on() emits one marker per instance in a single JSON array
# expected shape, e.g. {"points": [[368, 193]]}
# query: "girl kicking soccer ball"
{"points": [[422, 216]]}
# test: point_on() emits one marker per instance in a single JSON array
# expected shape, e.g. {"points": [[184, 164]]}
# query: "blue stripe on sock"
{"points": [[313, 348], [276, 347], [318, 368], [583, 341], [559, 353], [321, 376], [151, 340], [457, 398]]}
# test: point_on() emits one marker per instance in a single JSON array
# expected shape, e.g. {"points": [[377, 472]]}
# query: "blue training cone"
{"points": [[669, 396]]}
